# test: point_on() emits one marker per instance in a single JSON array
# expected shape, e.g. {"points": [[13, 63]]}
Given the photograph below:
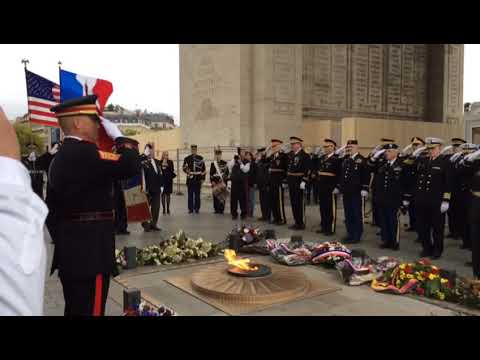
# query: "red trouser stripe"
{"points": [[97, 307]]}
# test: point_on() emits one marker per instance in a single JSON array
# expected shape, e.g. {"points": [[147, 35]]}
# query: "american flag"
{"points": [[42, 94]]}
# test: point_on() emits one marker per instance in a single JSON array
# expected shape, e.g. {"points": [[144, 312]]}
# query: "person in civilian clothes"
{"points": [[354, 185], [218, 174], [326, 169], [278, 163], [168, 174], [432, 196], [392, 189], [298, 174], [153, 184], [80, 198], [194, 167], [238, 169], [263, 184]]}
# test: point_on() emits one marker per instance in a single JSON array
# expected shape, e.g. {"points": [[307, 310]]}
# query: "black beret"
{"points": [[352, 142], [330, 141]]}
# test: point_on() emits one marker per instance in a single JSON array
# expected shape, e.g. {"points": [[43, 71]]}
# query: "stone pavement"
{"points": [[349, 301]]}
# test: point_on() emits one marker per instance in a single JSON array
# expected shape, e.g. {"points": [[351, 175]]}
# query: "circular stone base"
{"points": [[262, 270], [284, 283]]}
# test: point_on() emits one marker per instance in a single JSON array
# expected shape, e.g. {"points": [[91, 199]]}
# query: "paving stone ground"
{"points": [[349, 301]]}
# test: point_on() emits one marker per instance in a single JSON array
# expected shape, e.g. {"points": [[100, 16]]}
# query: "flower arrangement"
{"points": [[249, 234], [330, 253], [468, 292], [179, 248], [143, 309], [421, 278]]}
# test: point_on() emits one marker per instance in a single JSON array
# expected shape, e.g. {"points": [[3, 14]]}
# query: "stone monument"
{"points": [[246, 94]]}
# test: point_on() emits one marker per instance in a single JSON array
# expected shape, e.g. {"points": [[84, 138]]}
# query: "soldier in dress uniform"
{"points": [[298, 173], [238, 169], [392, 189], [37, 166], [471, 163], [453, 214], [325, 171], [462, 192], [278, 163], [406, 154], [432, 195], [353, 184], [263, 184], [218, 175], [80, 199], [194, 167]]}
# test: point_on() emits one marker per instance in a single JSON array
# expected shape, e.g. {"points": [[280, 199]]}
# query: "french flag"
{"points": [[74, 86]]}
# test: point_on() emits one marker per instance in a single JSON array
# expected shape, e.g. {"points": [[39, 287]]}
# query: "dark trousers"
{"points": [[316, 192], [218, 205], [263, 194], [297, 201], [430, 227], [277, 202], [412, 215], [388, 217], [85, 297], [120, 210], [238, 196], [194, 201], [328, 211], [154, 201], [352, 204], [166, 202]]}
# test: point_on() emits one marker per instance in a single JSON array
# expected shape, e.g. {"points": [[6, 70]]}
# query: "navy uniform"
{"points": [[37, 168], [432, 194], [455, 212], [415, 143], [194, 167], [325, 172], [298, 172], [392, 188], [216, 178], [262, 180], [277, 169], [354, 184], [80, 198]]}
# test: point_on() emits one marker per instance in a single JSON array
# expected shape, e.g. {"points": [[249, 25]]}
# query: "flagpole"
{"points": [[25, 62], [59, 77]]}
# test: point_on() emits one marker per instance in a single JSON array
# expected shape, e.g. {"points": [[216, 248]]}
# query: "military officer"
{"points": [[298, 172], [326, 169], [194, 167], [354, 185], [432, 197], [262, 180], [277, 169], [218, 177], [392, 190], [80, 199], [471, 162], [454, 222]]}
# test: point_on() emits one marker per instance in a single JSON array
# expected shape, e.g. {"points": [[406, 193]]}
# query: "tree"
{"points": [[25, 135], [110, 107]]}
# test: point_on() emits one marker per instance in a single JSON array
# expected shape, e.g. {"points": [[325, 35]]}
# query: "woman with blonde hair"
{"points": [[168, 174]]}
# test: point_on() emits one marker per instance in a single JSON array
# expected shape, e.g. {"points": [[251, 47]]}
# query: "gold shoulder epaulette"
{"points": [[108, 156]]}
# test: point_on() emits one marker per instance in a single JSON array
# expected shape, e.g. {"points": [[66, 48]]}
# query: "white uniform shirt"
{"points": [[23, 253]]}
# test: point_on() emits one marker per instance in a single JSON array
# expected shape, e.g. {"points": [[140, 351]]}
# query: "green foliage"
{"points": [[25, 135]]}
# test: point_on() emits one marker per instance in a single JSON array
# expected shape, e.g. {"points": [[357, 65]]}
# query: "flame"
{"points": [[233, 260]]}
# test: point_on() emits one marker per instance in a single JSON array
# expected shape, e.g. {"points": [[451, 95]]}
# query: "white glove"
{"points": [[285, 186], [32, 156], [342, 149], [54, 149], [406, 149], [111, 129], [405, 203], [376, 149], [444, 207], [473, 156], [378, 154], [336, 191], [161, 189], [229, 185], [417, 152], [364, 194], [302, 185], [446, 149]]}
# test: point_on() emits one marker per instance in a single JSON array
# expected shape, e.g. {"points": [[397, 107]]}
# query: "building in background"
{"points": [[246, 94], [472, 122]]}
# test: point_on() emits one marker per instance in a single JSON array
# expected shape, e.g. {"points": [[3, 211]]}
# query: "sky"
{"points": [[143, 76]]}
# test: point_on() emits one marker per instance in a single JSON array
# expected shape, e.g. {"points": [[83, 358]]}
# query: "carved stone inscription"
{"points": [[284, 75]]}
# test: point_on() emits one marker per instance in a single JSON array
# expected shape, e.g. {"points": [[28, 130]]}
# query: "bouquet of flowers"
{"points": [[330, 253], [467, 292], [289, 254], [420, 277], [143, 309], [249, 234], [120, 260]]}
